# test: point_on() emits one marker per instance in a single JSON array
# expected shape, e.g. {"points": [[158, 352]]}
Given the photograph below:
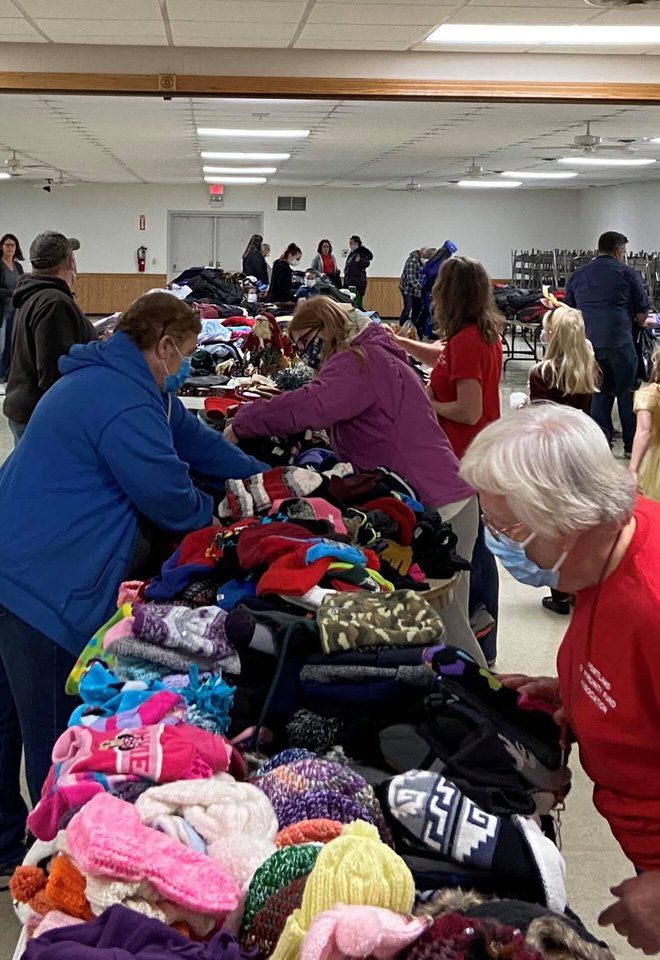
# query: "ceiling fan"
{"points": [[623, 3], [59, 182], [412, 186], [592, 143], [15, 167], [475, 172]]}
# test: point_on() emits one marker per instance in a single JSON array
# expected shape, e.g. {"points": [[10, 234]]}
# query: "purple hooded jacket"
{"points": [[377, 413]]}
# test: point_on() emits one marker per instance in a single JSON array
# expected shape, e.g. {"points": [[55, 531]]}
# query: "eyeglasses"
{"points": [[504, 531]]}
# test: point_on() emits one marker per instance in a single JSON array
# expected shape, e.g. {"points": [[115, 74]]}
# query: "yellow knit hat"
{"points": [[356, 868]]}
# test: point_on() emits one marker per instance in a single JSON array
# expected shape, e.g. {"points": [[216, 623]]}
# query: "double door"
{"points": [[209, 239]]}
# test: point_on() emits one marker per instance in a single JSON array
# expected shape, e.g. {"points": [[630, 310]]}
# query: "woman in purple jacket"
{"points": [[378, 415]]}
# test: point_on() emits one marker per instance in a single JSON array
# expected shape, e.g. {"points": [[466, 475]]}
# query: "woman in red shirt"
{"points": [[325, 262], [561, 512], [465, 390]]}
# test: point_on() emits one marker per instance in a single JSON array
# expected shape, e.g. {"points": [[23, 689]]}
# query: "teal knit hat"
{"points": [[278, 871]]}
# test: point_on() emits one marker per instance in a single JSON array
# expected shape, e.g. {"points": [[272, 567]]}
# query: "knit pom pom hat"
{"points": [[356, 868], [279, 870], [309, 831], [352, 930]]}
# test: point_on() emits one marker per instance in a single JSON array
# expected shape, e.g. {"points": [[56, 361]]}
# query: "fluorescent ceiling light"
{"points": [[258, 134], [543, 35], [235, 179], [654, 140], [5, 176], [489, 184], [241, 170], [214, 155], [607, 161], [540, 175]]}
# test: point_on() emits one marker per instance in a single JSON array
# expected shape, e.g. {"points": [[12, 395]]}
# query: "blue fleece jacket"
{"points": [[102, 447]]}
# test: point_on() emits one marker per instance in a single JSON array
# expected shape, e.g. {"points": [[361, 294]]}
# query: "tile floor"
{"points": [[529, 637]]}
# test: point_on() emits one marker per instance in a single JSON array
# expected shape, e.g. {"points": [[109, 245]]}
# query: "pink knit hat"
{"points": [[359, 931], [107, 839]]}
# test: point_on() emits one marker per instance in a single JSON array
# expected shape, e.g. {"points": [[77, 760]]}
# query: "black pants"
{"points": [[412, 310], [619, 368], [360, 284]]}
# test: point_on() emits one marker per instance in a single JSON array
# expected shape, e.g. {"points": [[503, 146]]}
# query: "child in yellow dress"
{"points": [[645, 459]]}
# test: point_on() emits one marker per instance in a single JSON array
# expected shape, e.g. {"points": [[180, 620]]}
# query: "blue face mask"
{"points": [[312, 353], [174, 381], [511, 555]]}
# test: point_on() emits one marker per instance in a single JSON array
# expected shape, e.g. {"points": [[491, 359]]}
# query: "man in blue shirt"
{"points": [[614, 303]]}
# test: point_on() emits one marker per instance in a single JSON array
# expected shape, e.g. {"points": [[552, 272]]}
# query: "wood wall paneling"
{"points": [[383, 295], [106, 293], [361, 88]]}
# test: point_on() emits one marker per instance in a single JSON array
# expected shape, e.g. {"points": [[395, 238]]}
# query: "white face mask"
{"points": [[252, 298], [295, 262], [310, 282]]}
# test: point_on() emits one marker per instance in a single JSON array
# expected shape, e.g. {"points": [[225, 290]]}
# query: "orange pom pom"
{"points": [[26, 883]]}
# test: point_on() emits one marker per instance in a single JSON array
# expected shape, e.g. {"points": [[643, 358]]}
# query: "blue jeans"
{"points": [[619, 369], [34, 710], [412, 310]]}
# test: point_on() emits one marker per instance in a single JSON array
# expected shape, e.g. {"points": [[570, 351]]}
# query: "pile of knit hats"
{"points": [[301, 881]]}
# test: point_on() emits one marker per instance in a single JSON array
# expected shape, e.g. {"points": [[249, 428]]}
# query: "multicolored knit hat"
{"points": [[290, 755], [269, 922], [325, 805], [309, 831], [278, 871], [356, 868], [313, 775]]}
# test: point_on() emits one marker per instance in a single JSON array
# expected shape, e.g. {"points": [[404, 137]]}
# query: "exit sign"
{"points": [[216, 193]]}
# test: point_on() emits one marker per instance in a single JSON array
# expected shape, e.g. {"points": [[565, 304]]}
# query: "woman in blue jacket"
{"points": [[108, 451]]}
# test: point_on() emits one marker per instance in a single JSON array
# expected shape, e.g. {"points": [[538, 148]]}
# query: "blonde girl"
{"points": [[645, 458], [568, 372], [567, 375]]}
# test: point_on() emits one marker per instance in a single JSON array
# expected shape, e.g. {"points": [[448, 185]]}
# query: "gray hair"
{"points": [[554, 467]]}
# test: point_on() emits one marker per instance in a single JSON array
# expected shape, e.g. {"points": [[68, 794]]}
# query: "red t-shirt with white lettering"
{"points": [[610, 685], [467, 356]]}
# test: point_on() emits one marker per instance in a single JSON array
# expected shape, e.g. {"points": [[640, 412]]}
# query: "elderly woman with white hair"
{"points": [[561, 512]]}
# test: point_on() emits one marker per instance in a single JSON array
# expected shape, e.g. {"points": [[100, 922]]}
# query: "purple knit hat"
{"points": [[322, 805], [290, 755], [313, 775]]}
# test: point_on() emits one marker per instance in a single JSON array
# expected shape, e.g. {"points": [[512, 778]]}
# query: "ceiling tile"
{"points": [[7, 9], [234, 31], [441, 4], [547, 5], [23, 37], [645, 17], [252, 12], [521, 15], [16, 26], [128, 10], [352, 44], [223, 41], [377, 32], [382, 13], [70, 31]]}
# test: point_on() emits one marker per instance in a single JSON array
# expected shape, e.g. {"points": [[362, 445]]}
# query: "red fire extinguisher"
{"points": [[141, 259]]}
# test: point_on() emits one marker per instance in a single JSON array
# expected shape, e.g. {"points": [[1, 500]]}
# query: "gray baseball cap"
{"points": [[51, 248]]}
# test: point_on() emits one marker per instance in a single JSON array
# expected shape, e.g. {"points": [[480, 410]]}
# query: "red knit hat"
{"points": [[397, 511]]}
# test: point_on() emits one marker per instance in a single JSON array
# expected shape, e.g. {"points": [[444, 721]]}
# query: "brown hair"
{"points": [[293, 250], [463, 294], [333, 322], [153, 315]]}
